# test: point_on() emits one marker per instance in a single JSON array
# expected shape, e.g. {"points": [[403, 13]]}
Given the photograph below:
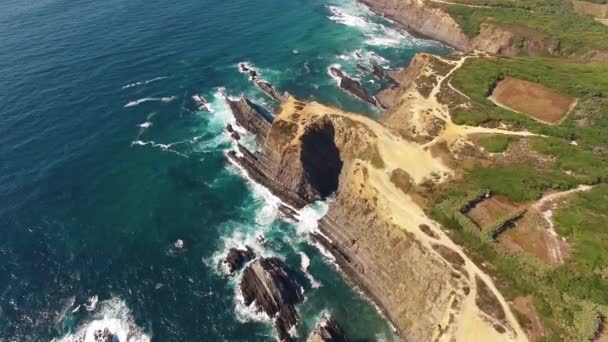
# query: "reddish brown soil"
{"points": [[491, 210], [533, 99], [530, 236], [533, 325]]}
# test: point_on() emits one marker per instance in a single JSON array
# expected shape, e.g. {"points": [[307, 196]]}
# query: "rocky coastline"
{"points": [[311, 152]]}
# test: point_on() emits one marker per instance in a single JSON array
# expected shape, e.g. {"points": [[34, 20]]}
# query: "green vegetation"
{"points": [[584, 222], [541, 20], [572, 299], [496, 143]]}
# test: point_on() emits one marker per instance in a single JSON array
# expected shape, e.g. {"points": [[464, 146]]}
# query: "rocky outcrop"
{"points": [[327, 331], [425, 18], [352, 86], [237, 257], [269, 284], [372, 226], [251, 117], [269, 90], [420, 17]]}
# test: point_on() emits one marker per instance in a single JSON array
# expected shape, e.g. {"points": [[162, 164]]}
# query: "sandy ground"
{"points": [[471, 324]]}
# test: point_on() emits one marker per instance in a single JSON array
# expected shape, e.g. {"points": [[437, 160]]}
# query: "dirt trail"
{"points": [[431, 104], [461, 4], [545, 207]]}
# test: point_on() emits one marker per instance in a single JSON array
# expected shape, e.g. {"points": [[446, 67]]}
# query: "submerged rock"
{"points": [[327, 331], [237, 257], [268, 283]]}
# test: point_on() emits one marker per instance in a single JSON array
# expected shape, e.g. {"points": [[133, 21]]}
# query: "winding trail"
{"points": [[460, 4]]}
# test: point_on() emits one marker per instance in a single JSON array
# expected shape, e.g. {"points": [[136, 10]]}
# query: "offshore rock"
{"points": [[250, 117], [268, 282], [237, 257], [327, 331], [351, 86], [269, 90]]}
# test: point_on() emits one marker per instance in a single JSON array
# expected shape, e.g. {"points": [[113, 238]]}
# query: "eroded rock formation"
{"points": [[237, 257], [269, 284], [251, 117], [373, 225], [327, 330], [352, 86]]}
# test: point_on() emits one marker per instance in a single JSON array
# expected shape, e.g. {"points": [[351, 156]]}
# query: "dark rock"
{"points": [[320, 159], [235, 135], [286, 318], [381, 73], [269, 90], [336, 72], [229, 128], [250, 117], [236, 258], [351, 86], [288, 213], [362, 68], [270, 284], [327, 331]]}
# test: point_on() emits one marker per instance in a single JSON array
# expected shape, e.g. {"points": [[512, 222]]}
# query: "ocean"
{"points": [[105, 162]]}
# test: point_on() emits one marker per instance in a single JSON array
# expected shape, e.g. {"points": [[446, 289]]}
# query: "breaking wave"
{"points": [[131, 85], [112, 316], [165, 99]]}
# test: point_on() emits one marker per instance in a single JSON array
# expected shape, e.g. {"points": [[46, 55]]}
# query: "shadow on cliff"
{"points": [[320, 158]]}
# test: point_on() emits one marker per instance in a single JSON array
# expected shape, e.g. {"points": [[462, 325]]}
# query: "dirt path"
{"points": [[545, 207], [461, 4], [453, 130]]}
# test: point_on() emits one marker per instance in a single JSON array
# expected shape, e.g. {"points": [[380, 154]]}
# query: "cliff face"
{"points": [[419, 17], [423, 282]]}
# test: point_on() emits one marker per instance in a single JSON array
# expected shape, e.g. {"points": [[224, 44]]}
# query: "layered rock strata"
{"points": [[269, 284], [373, 226], [352, 86], [327, 330]]}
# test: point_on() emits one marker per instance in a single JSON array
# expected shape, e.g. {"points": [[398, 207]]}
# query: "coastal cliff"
{"points": [[431, 19], [380, 236]]}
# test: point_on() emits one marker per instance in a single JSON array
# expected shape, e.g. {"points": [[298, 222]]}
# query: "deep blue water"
{"points": [[91, 203]]}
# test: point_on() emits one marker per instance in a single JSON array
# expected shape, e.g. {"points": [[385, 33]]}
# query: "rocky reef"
{"points": [[237, 257], [269, 284], [352, 86], [327, 330]]}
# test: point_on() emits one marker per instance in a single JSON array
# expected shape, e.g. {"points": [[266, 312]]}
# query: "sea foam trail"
{"points": [[113, 315], [165, 99], [131, 85]]}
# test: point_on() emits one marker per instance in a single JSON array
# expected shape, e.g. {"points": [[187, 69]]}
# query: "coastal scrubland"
{"points": [[552, 21], [570, 297]]}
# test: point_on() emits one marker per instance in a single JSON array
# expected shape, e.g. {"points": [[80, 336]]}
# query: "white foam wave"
{"points": [[310, 216], [340, 16], [163, 147], [113, 315], [131, 85], [165, 99], [91, 304], [146, 124]]}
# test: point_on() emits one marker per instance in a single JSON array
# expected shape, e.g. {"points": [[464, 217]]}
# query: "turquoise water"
{"points": [[104, 162]]}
